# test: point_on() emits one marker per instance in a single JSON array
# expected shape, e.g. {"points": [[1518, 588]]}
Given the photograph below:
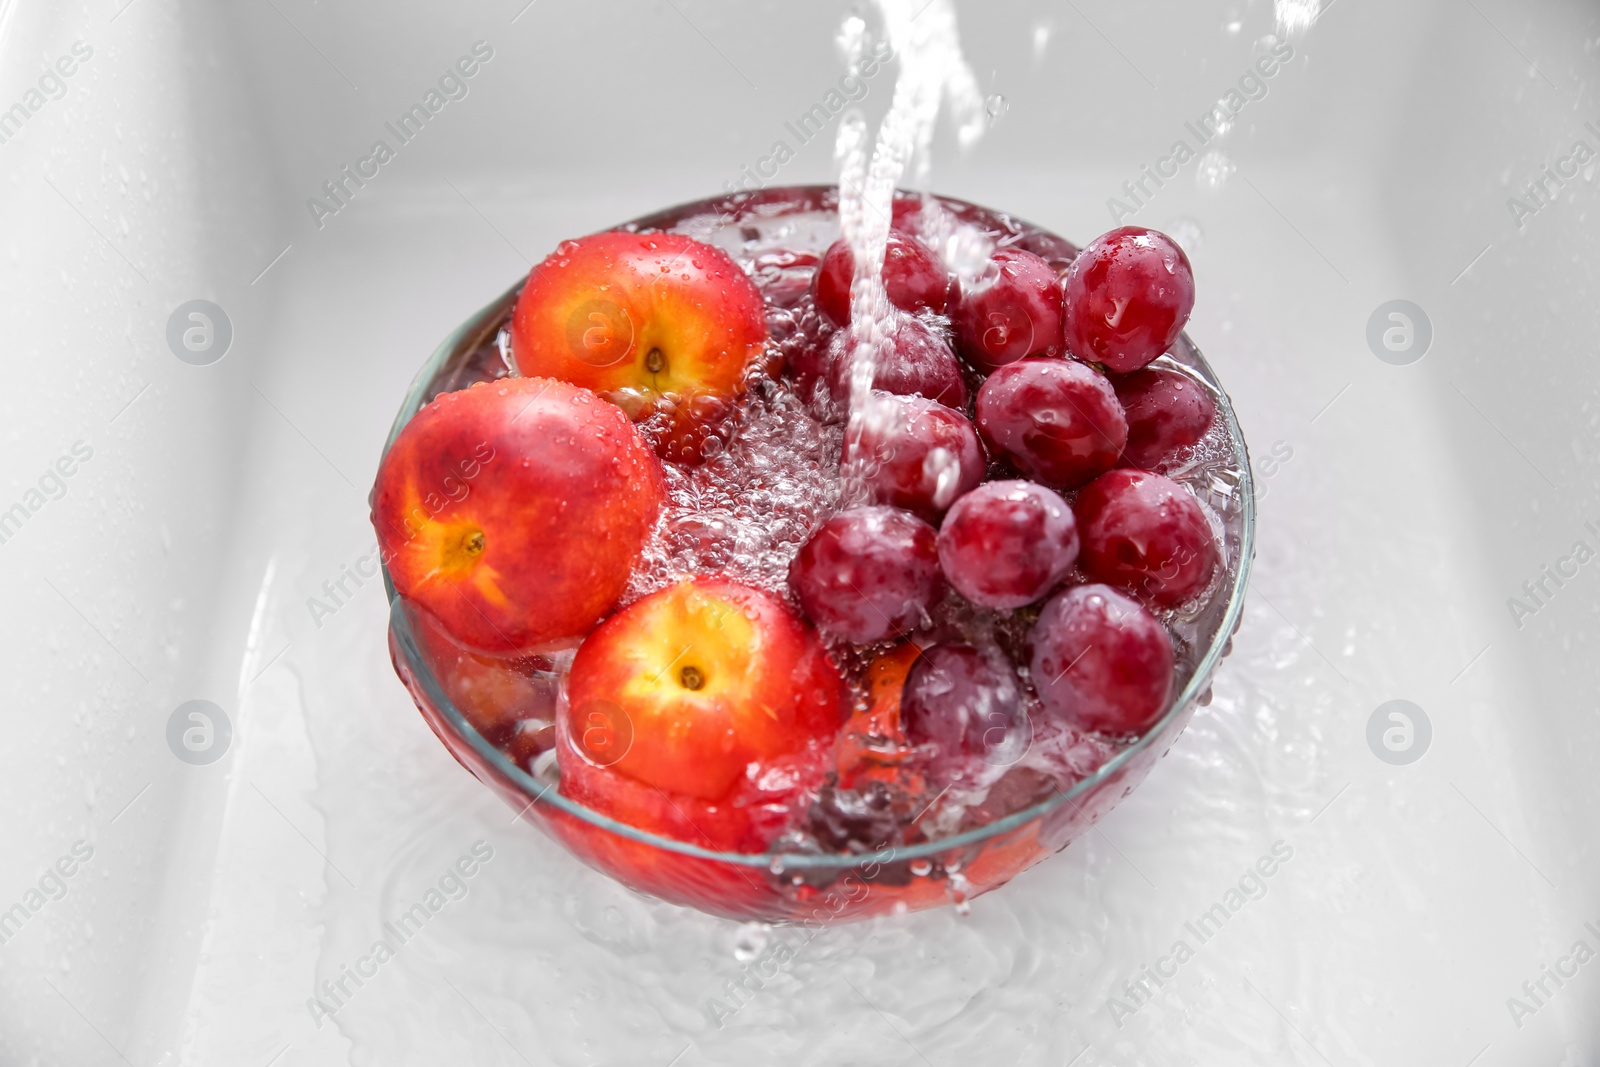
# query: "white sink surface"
{"points": [[1414, 500]]}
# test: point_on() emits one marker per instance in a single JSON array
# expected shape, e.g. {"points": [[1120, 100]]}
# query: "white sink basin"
{"points": [[214, 544]]}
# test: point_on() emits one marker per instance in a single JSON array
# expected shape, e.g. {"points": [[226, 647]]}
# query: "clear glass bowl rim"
{"points": [[541, 793]]}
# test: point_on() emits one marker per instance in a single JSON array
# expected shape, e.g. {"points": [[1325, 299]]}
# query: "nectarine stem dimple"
{"points": [[655, 363], [691, 678], [473, 543]]}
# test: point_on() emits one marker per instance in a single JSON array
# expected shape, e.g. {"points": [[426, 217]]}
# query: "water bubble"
{"points": [[996, 106], [750, 941]]}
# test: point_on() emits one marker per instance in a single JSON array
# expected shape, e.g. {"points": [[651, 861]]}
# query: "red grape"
{"points": [[1006, 544], [1167, 410], [868, 574], [1100, 661], [1013, 311], [1056, 420], [920, 455], [1128, 294], [966, 703], [1146, 533], [912, 275], [916, 362], [783, 277]]}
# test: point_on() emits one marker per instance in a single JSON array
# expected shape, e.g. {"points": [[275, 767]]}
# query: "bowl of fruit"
{"points": [[785, 603]]}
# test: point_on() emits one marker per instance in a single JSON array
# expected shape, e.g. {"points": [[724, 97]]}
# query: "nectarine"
{"points": [[650, 321], [704, 697], [514, 511]]}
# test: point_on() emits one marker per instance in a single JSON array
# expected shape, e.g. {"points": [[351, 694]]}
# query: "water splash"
{"points": [[852, 41], [1296, 16], [932, 71]]}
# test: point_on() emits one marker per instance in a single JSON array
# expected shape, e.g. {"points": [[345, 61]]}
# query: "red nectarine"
{"points": [[703, 712], [515, 511], [709, 676], [650, 321]]}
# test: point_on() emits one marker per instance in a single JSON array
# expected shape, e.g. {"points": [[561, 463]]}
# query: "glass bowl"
{"points": [[810, 887]]}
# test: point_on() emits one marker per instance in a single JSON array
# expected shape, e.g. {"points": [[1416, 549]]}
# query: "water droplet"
{"points": [[750, 941], [1213, 170], [997, 106]]}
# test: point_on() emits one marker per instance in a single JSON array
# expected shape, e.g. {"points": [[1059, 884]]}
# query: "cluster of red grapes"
{"points": [[1013, 461]]}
